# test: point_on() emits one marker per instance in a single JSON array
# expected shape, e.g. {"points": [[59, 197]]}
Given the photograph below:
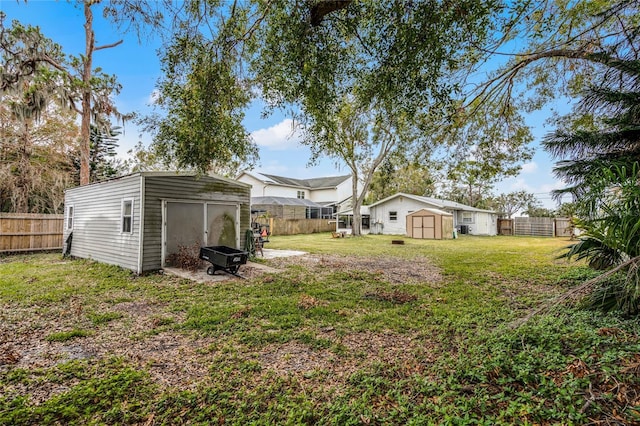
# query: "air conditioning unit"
{"points": [[464, 229]]}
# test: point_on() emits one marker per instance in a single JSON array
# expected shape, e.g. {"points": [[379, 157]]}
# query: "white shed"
{"points": [[138, 221]]}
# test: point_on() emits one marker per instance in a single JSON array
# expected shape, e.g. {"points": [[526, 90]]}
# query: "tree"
{"points": [[87, 91], [392, 59], [35, 167], [509, 204], [103, 161], [535, 209], [204, 105], [399, 174], [600, 159], [484, 145]]}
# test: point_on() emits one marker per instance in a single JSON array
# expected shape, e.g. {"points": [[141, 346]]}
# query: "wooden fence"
{"points": [[21, 232], [299, 226], [536, 226]]}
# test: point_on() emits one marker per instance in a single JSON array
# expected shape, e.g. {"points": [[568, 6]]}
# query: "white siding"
{"points": [[257, 186], [323, 195], [344, 190], [485, 224], [97, 211]]}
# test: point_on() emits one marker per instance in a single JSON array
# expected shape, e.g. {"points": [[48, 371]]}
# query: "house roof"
{"points": [[436, 202], [313, 183], [283, 201]]}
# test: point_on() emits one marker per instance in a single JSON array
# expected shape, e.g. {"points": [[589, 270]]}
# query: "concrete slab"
{"points": [[249, 270], [273, 253]]}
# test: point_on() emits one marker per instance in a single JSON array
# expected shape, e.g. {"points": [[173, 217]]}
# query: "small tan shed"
{"points": [[433, 224]]}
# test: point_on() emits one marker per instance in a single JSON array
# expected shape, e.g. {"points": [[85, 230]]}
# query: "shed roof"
{"points": [[168, 174]]}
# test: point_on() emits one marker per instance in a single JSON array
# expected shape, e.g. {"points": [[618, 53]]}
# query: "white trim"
{"points": [[163, 234], [122, 215], [68, 216], [141, 230]]}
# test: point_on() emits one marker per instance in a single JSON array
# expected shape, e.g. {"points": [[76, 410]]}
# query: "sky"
{"points": [[137, 66]]}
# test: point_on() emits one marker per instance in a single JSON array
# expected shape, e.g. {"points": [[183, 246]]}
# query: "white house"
{"points": [[388, 216], [331, 191]]}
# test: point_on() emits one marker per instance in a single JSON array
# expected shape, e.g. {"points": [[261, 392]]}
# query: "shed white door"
{"points": [[223, 225], [195, 224], [424, 227]]}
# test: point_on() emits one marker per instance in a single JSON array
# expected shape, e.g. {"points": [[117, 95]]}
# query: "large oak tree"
{"points": [[391, 60]]}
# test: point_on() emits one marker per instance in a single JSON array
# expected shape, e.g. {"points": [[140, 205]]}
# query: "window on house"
{"points": [[70, 217], [301, 195], [127, 216], [467, 217], [393, 216]]}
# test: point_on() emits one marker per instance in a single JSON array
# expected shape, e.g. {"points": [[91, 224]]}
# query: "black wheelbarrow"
{"points": [[223, 258]]}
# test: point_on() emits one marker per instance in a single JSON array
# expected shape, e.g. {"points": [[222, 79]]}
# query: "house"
{"points": [[320, 197], [389, 216], [140, 220]]}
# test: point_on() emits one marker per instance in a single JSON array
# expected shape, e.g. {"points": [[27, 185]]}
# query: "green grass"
{"points": [[318, 344]]}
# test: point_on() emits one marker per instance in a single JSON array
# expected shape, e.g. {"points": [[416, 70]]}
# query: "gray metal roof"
{"points": [[313, 183], [283, 201]]}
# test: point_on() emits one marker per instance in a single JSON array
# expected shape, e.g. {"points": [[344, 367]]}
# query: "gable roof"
{"points": [[313, 183], [436, 202]]}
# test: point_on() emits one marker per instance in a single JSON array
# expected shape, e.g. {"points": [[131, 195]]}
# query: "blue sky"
{"points": [[137, 67]]}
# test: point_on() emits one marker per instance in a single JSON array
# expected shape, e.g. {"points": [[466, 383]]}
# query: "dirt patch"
{"points": [[393, 270], [405, 354]]}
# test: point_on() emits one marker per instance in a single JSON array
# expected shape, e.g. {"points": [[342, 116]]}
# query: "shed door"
{"points": [[195, 224], [424, 227], [184, 226], [223, 225], [416, 226]]}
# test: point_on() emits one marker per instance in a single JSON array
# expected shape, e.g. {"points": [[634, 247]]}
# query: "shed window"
{"points": [[393, 216], [127, 216], [70, 217], [467, 217], [301, 195]]}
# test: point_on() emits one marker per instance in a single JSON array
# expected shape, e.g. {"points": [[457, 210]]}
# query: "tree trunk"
{"points": [[85, 128], [24, 182], [356, 224]]}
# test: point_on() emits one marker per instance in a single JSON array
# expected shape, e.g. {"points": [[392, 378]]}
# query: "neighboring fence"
{"points": [[505, 226], [299, 226], [30, 232], [536, 226]]}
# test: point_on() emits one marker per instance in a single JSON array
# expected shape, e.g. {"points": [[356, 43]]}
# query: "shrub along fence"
{"points": [[21, 232]]}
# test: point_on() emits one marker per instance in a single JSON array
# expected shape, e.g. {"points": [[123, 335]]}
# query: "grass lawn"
{"points": [[360, 331]]}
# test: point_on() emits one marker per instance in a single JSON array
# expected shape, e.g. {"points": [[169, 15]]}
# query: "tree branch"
{"points": [[107, 46]]}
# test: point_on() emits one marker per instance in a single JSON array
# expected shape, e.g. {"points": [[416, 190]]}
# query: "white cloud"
{"points": [[529, 167], [280, 137], [153, 97]]}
